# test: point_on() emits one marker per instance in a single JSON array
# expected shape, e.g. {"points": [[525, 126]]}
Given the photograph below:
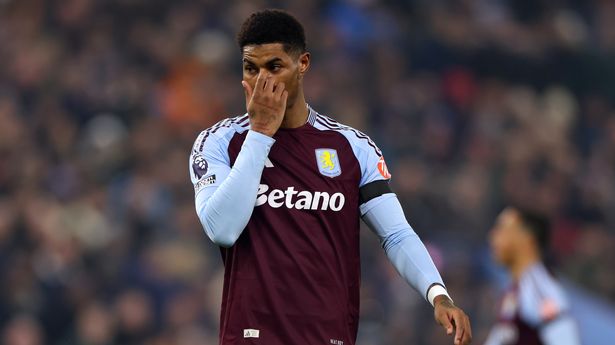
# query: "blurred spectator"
{"points": [[23, 330], [95, 326]]}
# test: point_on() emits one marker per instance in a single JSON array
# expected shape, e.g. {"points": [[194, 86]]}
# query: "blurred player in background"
{"points": [[534, 310], [281, 190]]}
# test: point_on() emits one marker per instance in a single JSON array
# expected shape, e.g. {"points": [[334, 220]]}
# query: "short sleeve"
{"points": [[373, 165], [209, 162], [371, 161]]}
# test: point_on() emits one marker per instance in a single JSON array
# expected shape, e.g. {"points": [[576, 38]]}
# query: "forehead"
{"points": [[264, 52], [507, 217]]}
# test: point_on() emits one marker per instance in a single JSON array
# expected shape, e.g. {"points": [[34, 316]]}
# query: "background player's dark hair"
{"points": [[538, 225], [272, 26]]}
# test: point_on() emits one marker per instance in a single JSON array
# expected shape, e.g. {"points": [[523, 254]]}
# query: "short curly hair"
{"points": [[272, 26], [538, 225]]}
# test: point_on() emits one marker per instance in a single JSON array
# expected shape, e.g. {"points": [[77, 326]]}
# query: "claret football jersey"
{"points": [[528, 306], [293, 275]]}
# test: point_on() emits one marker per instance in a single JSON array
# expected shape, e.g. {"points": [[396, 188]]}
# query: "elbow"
{"points": [[220, 235], [221, 228], [396, 238], [223, 239], [223, 235]]}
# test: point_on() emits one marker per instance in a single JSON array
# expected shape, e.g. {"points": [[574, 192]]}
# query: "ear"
{"points": [[525, 237], [304, 64]]}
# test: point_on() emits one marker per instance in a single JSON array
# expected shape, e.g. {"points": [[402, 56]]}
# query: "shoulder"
{"points": [[542, 296], [544, 283], [356, 138], [221, 132], [370, 158]]}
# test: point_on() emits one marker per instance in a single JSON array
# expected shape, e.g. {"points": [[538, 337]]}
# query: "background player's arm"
{"points": [[561, 331], [555, 325], [544, 304]]}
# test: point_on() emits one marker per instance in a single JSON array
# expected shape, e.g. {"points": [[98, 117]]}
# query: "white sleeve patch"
{"points": [[204, 181]]}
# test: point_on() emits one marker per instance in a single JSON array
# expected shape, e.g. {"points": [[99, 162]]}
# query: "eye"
{"points": [[249, 69], [276, 67]]}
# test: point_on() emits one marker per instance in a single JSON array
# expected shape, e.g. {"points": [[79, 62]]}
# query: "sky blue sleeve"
{"points": [[541, 298], [225, 195], [370, 158], [385, 216], [373, 166], [562, 331], [544, 304]]}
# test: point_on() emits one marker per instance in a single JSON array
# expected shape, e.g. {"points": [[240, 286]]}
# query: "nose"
{"points": [[263, 73]]}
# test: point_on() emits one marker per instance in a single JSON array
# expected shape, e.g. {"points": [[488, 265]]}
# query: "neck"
{"points": [[296, 115], [523, 262]]}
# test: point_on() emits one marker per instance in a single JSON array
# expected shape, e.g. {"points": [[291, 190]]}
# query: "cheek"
{"points": [[293, 84], [288, 79], [498, 244], [292, 87]]}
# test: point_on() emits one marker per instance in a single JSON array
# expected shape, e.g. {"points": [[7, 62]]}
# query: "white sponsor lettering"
{"points": [[304, 200], [274, 196], [337, 201], [299, 200], [316, 201]]}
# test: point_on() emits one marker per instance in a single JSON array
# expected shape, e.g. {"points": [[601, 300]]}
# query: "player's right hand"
{"points": [[266, 103], [453, 319]]}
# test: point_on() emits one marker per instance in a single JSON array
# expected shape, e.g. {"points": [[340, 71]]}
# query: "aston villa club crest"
{"points": [[328, 162]]}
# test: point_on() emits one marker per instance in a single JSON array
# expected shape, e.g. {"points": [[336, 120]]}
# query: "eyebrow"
{"points": [[275, 59], [269, 62]]}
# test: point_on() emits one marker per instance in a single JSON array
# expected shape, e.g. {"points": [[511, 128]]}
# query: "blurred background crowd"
{"points": [[475, 103]]}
